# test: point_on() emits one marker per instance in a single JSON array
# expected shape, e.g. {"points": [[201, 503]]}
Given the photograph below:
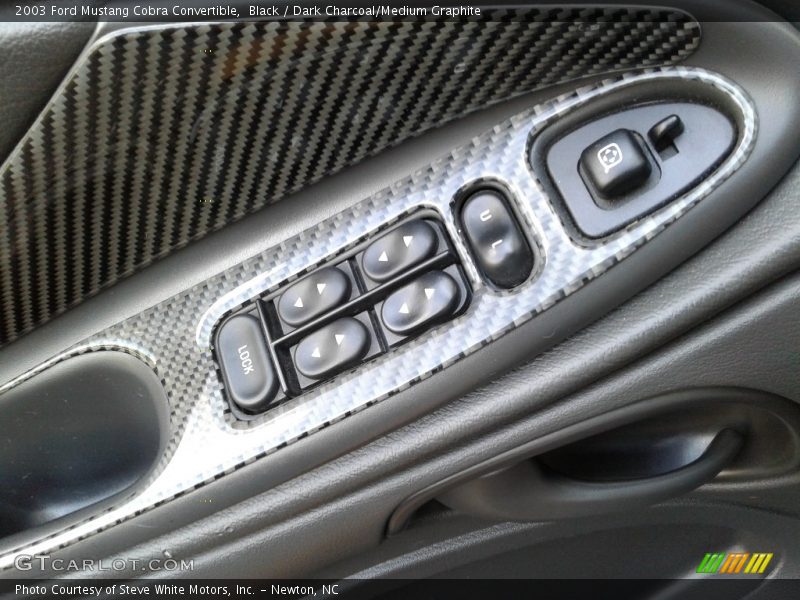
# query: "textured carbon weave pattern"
{"points": [[162, 135], [174, 336]]}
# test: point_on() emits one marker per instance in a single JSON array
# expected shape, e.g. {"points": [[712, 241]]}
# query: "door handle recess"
{"points": [[624, 459], [530, 491]]}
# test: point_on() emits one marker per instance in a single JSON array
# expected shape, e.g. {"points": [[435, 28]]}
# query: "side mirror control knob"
{"points": [[615, 164]]}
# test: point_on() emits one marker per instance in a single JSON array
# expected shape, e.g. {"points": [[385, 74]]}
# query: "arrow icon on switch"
{"points": [[315, 353], [383, 257], [299, 302], [404, 308], [339, 339], [321, 288], [407, 239], [429, 292]]}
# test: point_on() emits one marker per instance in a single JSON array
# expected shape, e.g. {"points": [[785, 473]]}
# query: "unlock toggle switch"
{"points": [[615, 164], [500, 249]]}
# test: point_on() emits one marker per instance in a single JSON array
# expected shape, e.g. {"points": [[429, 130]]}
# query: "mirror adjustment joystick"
{"points": [[615, 164]]}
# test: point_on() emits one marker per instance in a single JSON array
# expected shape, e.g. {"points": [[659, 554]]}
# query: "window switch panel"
{"points": [[329, 321]]}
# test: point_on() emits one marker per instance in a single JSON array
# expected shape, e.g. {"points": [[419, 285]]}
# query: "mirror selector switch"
{"points": [[615, 164], [332, 349], [430, 299], [244, 359], [400, 249], [314, 295], [498, 245], [664, 133]]}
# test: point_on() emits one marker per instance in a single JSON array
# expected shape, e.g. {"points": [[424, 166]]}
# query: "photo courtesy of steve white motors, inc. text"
{"points": [[193, 590]]}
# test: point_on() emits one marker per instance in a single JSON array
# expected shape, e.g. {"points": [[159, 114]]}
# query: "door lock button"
{"points": [[500, 249], [314, 295], [332, 349], [245, 362], [615, 164], [399, 250], [430, 299]]}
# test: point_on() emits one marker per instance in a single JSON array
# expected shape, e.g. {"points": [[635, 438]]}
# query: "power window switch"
{"points": [[399, 250], [314, 295], [332, 349], [430, 299]]}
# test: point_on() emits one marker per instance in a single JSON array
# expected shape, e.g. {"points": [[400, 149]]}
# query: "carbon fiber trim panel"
{"points": [[164, 134], [175, 336]]}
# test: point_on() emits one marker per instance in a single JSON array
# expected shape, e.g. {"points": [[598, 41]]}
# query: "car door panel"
{"points": [[157, 233]]}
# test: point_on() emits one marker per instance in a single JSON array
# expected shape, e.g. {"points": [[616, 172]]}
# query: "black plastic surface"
{"points": [[600, 203], [36, 57], [77, 436]]}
